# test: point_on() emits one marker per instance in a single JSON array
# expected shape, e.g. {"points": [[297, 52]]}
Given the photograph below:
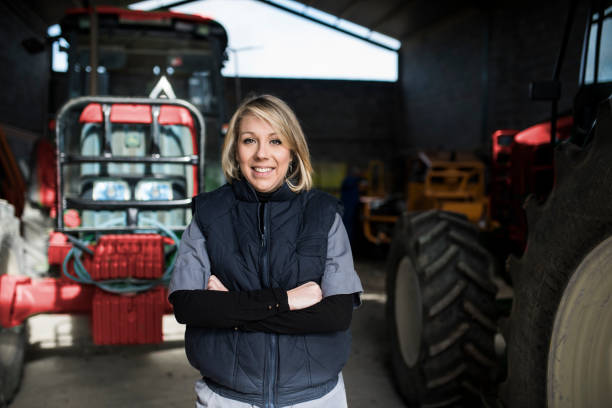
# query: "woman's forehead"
{"points": [[252, 122]]}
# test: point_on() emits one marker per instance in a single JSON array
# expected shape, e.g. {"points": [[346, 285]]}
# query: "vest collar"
{"points": [[245, 192]]}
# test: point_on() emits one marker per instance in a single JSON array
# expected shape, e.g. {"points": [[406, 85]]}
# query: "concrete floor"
{"points": [[63, 369]]}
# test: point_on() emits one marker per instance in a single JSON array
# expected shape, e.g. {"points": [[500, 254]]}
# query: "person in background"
{"points": [[349, 195], [264, 277]]}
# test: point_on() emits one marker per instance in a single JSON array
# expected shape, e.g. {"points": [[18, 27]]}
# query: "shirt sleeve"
{"points": [[340, 277], [192, 265], [331, 314], [224, 310], [194, 305]]}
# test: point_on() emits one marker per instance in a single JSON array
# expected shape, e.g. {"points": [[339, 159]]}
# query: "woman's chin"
{"points": [[263, 184]]}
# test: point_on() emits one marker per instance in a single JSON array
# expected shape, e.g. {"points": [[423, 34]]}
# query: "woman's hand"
{"points": [[215, 284], [304, 296]]}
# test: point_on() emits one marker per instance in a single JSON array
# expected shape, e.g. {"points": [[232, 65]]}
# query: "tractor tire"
{"points": [[12, 340], [440, 311], [559, 333]]}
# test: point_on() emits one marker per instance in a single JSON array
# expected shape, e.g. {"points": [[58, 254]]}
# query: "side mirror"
{"points": [[545, 90]]}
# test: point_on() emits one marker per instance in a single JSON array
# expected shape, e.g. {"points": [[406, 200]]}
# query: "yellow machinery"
{"points": [[451, 182]]}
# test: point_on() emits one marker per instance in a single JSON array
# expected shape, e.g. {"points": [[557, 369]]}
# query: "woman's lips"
{"points": [[262, 170]]}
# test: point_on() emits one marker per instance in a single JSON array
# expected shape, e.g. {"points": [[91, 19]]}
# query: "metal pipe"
{"points": [[600, 11], [585, 47], [557, 70], [22, 297], [93, 50]]}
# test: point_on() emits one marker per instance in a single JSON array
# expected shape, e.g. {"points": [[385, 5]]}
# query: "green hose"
{"points": [[128, 285]]}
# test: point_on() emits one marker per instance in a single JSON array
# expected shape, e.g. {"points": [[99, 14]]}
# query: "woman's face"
{"points": [[262, 156]]}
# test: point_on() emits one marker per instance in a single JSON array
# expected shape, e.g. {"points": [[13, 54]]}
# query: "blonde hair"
{"points": [[282, 119]]}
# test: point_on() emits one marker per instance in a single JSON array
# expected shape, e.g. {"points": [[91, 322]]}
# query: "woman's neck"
{"points": [[264, 197]]}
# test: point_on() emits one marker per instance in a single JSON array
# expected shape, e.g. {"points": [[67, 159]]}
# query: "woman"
{"points": [[264, 277]]}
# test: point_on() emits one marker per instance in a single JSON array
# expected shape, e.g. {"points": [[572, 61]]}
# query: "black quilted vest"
{"points": [[268, 370]]}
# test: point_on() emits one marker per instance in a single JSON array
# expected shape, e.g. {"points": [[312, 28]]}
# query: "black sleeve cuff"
{"points": [[282, 301]]}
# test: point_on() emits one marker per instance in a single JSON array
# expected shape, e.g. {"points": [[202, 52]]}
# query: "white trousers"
{"points": [[207, 398]]}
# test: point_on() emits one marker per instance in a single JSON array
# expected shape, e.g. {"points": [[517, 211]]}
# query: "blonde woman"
{"points": [[264, 278]]}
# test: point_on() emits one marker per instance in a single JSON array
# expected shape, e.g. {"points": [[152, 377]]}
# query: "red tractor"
{"points": [[127, 169], [120, 183]]}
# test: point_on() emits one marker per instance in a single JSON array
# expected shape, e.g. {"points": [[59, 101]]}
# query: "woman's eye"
{"points": [[248, 140], [276, 142]]}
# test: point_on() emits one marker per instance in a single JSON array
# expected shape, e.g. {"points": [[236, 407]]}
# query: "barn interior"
{"points": [[466, 128]]}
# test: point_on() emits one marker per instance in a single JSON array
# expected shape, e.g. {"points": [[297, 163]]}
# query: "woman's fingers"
{"points": [[215, 284], [304, 296]]}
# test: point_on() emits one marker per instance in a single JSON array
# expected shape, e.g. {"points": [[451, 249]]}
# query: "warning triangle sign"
{"points": [[163, 89]]}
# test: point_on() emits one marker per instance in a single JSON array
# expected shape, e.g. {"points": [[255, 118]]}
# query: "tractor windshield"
{"points": [[133, 49], [598, 64], [139, 53]]}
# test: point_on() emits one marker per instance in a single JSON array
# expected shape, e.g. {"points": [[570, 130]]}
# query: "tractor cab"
{"points": [[145, 53]]}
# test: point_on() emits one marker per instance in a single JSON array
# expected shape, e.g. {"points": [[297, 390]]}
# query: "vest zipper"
{"points": [[271, 352]]}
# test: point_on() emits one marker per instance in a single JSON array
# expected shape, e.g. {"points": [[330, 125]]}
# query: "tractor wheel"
{"points": [[440, 311], [12, 340], [559, 333]]}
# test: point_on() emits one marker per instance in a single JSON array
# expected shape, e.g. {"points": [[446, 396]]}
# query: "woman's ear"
{"points": [[292, 164]]}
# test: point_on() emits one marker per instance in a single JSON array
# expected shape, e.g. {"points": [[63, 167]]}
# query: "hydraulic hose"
{"points": [[128, 285]]}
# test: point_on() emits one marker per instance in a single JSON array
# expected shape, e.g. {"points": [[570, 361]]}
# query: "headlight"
{"points": [[153, 190], [111, 190]]}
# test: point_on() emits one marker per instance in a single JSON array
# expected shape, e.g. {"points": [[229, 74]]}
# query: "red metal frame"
{"points": [[92, 114], [45, 173], [116, 319], [539, 134], [522, 167], [124, 113], [139, 16], [128, 319], [138, 256], [22, 297]]}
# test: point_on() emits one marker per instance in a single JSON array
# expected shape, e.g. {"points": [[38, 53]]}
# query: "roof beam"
{"points": [[175, 4], [323, 23]]}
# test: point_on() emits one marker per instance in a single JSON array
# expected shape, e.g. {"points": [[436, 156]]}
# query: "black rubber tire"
{"points": [[12, 340], [453, 362], [576, 218], [12, 352]]}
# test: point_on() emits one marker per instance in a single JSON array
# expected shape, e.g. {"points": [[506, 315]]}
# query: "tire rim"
{"points": [[580, 356], [408, 311]]}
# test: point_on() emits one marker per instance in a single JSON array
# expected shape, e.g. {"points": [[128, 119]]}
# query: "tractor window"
{"points": [[505, 140], [129, 140], [604, 67], [177, 140], [131, 65]]}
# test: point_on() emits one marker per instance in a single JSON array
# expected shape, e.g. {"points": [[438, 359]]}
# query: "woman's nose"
{"points": [[262, 150]]}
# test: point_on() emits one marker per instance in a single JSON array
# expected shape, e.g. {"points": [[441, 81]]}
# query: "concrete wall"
{"points": [[23, 77], [468, 75], [345, 121], [525, 41]]}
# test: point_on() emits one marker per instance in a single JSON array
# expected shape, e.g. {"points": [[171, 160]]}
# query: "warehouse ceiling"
{"points": [[395, 18]]}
